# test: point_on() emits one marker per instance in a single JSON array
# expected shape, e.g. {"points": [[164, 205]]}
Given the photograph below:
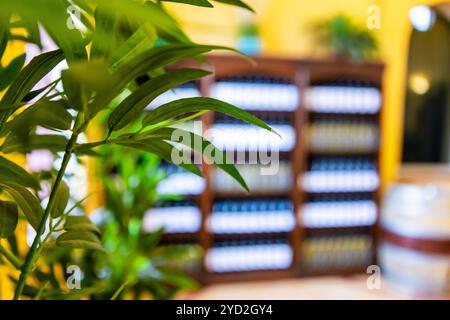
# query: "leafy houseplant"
{"points": [[346, 38], [134, 263], [107, 44]]}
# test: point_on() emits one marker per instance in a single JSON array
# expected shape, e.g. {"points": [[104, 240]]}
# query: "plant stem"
{"points": [[31, 256], [10, 257], [119, 291]]}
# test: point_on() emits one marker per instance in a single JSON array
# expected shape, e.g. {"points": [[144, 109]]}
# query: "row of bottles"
{"points": [[247, 217], [343, 136], [333, 214], [254, 255], [174, 217], [336, 252], [242, 137], [344, 97], [180, 182], [340, 174], [256, 179], [257, 93]]}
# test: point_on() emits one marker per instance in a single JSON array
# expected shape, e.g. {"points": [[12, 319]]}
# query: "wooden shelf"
{"points": [[305, 272], [209, 277], [344, 154], [337, 231], [250, 236], [303, 73], [319, 115], [169, 238], [257, 195]]}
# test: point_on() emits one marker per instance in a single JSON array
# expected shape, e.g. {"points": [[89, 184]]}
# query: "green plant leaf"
{"points": [[45, 113], [237, 3], [54, 17], [9, 171], [199, 3], [149, 12], [4, 32], [200, 144], [132, 106], [138, 42], [34, 93], [160, 57], [80, 223], [61, 200], [8, 74], [161, 149], [83, 80], [79, 240], [34, 71], [9, 217], [177, 278], [143, 63], [52, 142], [105, 24], [28, 203], [181, 107]]}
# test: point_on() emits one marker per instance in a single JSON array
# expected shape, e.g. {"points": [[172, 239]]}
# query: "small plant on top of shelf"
{"points": [[346, 38]]}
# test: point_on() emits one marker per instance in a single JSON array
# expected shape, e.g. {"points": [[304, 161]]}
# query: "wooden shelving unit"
{"points": [[301, 77], [321, 74]]}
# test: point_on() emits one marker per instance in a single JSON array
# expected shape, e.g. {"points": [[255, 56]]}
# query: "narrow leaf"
{"points": [[38, 67], [83, 80], [27, 202], [162, 149], [144, 63], [203, 146], [61, 200], [8, 74], [199, 3], [54, 143], [9, 171], [139, 41], [132, 106], [45, 113], [237, 3], [79, 240], [80, 223], [181, 107], [9, 217]]}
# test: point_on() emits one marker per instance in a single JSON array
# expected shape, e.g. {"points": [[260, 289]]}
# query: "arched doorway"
{"points": [[426, 130]]}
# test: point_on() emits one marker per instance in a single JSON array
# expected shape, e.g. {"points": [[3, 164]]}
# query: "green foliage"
{"points": [[8, 218], [107, 45], [133, 262], [346, 38]]}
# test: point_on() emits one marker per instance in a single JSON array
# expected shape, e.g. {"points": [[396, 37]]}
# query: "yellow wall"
{"points": [[284, 28], [13, 49]]}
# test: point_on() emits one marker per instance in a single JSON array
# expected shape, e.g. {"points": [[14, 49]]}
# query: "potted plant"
{"points": [[106, 45], [345, 38]]}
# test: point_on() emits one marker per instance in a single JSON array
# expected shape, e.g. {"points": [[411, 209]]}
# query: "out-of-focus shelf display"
{"points": [[182, 217], [340, 180], [314, 188], [181, 182], [241, 256], [251, 234], [325, 253]]}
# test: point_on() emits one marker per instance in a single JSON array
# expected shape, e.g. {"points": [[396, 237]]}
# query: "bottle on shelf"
{"points": [[240, 256], [251, 216]]}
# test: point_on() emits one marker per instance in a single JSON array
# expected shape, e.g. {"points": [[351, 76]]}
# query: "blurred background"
{"points": [[360, 205]]}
